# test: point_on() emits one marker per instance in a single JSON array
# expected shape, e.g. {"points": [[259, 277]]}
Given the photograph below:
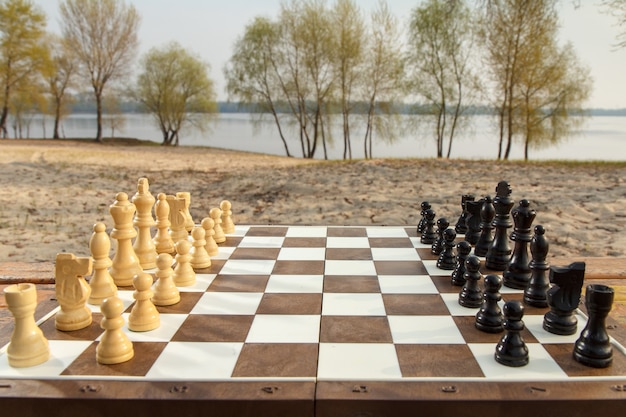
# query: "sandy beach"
{"points": [[52, 192]]}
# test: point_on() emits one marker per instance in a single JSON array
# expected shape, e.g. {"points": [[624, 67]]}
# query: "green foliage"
{"points": [[175, 88]]}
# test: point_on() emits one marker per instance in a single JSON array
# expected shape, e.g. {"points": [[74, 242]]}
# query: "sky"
{"points": [[209, 29]]}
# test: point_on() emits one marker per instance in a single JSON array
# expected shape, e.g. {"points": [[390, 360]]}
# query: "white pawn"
{"points": [[144, 316], [184, 275], [162, 240], [200, 258], [189, 223], [211, 246], [144, 246], [28, 346], [72, 291], [216, 215], [177, 218], [125, 262], [227, 221], [165, 291], [114, 346], [101, 283]]}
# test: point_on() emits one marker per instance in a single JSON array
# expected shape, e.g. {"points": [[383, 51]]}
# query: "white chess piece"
{"points": [[165, 291], [162, 240], [184, 275], [144, 246], [211, 246], [144, 316], [200, 258], [125, 262], [114, 346], [72, 291], [227, 220], [216, 215], [101, 282]]}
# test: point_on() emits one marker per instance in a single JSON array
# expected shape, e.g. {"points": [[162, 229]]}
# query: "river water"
{"points": [[599, 138]]}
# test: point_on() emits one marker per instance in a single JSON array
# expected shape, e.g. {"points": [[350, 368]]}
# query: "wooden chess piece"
{"points": [[144, 246], [461, 225], [499, 252], [178, 220], [517, 273], [489, 317], [227, 217], [420, 225], [438, 245], [593, 347], [125, 263], [216, 215], [165, 291], [428, 233], [114, 346], [463, 249], [447, 259], [101, 282], [28, 346], [200, 258], [144, 316], [564, 298], [511, 350], [472, 234], [72, 291], [211, 246], [536, 294], [162, 240], [186, 197], [184, 275], [487, 213], [471, 295]]}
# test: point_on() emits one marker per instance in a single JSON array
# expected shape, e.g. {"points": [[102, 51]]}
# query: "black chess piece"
{"points": [[593, 347], [420, 226], [461, 226], [511, 350], [563, 298], [473, 220], [463, 250], [447, 259], [489, 318], [517, 272], [428, 233], [499, 252], [442, 225], [487, 213], [471, 295], [536, 294]]}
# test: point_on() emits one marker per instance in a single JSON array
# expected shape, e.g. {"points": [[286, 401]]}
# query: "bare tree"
{"points": [[617, 8], [59, 79], [103, 35]]}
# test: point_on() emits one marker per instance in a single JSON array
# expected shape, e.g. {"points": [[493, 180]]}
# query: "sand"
{"points": [[52, 192]]}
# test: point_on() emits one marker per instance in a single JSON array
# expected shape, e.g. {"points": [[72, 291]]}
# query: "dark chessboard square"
{"points": [[145, 355], [215, 268], [400, 268], [277, 360], [298, 268], [351, 254], [467, 327], [283, 303], [304, 242], [351, 284], [426, 254], [214, 328], [414, 305], [91, 332], [355, 329], [231, 242], [443, 283], [528, 309], [433, 361], [411, 231], [255, 253], [187, 302], [346, 232], [239, 283], [267, 231], [390, 242], [562, 353]]}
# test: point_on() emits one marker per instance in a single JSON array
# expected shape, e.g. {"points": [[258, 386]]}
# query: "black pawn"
{"points": [[536, 294], [471, 295], [487, 213], [447, 259], [473, 221], [463, 250], [563, 298], [511, 349], [461, 226], [593, 347], [428, 233], [499, 252], [420, 226], [517, 273], [489, 317], [442, 225]]}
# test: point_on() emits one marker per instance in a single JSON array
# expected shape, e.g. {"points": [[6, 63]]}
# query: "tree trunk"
{"points": [[99, 117], [3, 120]]}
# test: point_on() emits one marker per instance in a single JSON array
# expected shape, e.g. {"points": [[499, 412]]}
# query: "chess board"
{"points": [[314, 320]]}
